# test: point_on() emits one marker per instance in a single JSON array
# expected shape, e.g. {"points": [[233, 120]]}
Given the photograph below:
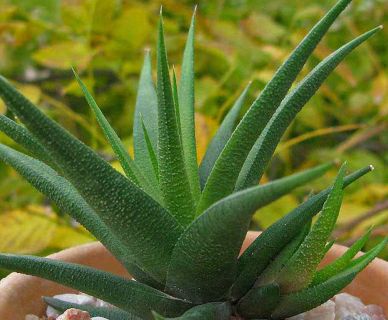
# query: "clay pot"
{"points": [[21, 294]]}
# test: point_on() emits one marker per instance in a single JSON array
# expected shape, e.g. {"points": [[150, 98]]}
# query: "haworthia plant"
{"points": [[177, 227]]}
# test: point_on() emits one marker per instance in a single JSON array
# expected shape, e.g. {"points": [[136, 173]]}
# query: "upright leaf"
{"points": [[126, 162], [186, 112], [224, 175], [221, 137], [260, 253], [66, 197], [265, 146], [128, 211], [146, 108], [129, 295], [151, 151], [307, 299], [301, 267], [173, 178], [204, 262]]}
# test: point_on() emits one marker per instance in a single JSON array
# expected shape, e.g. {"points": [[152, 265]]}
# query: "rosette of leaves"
{"points": [[178, 227]]}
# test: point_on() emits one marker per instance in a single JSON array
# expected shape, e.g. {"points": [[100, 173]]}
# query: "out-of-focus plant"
{"points": [[237, 41]]}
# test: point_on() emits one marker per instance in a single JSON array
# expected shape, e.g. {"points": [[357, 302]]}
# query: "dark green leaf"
{"points": [[208, 311], [224, 175], [186, 112], [129, 295], [173, 178], [221, 137], [259, 302], [151, 151], [204, 261], [132, 215], [265, 146]]}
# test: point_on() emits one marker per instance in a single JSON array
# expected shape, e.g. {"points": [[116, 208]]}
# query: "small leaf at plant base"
{"points": [[105, 312], [300, 269]]}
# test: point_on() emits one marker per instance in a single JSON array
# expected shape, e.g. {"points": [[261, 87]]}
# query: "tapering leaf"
{"points": [[275, 267], [307, 299], [62, 192], [204, 262], [22, 136], [151, 150], [260, 253], [173, 178], [128, 211], [259, 302], [265, 146], [221, 137], [175, 96], [128, 165], [105, 312], [225, 172], [340, 264], [128, 295], [300, 269], [147, 108], [208, 311], [186, 112]]}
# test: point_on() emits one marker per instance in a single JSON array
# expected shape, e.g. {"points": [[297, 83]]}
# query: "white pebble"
{"points": [[31, 317], [325, 311]]}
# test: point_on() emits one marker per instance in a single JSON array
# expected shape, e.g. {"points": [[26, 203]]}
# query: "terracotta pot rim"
{"points": [[369, 285]]}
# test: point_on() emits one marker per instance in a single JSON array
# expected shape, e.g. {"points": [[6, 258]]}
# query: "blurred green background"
{"points": [[237, 41]]}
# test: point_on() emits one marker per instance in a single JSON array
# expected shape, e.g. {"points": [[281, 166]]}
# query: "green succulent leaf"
{"points": [[270, 273], [204, 262], [129, 295], [132, 215], [23, 137], [260, 253], [151, 151], [62, 192], [307, 299], [173, 178], [300, 269], [225, 172], [341, 263], [187, 112], [105, 312], [175, 95], [128, 165], [147, 109], [208, 311], [265, 146], [221, 137], [259, 302]]}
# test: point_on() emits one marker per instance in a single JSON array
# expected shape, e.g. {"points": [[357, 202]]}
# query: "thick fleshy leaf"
{"points": [[341, 263], [275, 267], [66, 197], [128, 295], [224, 175], [186, 112], [265, 146], [204, 261], [307, 299], [105, 312], [260, 253], [151, 151], [299, 270], [22, 136], [132, 215], [259, 302], [175, 96], [173, 178], [129, 166], [208, 311], [146, 108], [221, 137]]}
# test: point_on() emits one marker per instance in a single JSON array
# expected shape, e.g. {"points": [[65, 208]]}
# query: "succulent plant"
{"points": [[177, 227]]}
